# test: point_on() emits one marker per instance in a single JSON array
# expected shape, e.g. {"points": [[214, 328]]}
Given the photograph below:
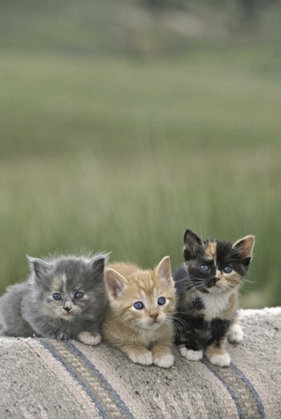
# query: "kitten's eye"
{"points": [[78, 295], [139, 305], [57, 296], [161, 301], [227, 269], [204, 267]]}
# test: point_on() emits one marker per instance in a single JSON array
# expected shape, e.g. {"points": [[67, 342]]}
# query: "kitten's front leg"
{"points": [[90, 333], [92, 339], [217, 354], [45, 329], [138, 354], [58, 335], [188, 346], [189, 354], [235, 333], [190, 349], [162, 354], [62, 335], [54, 334]]}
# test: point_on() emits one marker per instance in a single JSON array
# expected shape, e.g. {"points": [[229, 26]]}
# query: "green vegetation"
{"points": [[111, 152]]}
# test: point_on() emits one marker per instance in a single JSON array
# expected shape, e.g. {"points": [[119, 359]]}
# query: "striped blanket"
{"points": [[43, 378]]}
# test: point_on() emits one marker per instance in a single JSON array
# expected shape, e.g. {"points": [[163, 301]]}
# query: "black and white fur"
{"points": [[207, 296]]}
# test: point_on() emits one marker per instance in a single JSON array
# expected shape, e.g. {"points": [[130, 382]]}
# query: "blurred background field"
{"points": [[124, 122]]}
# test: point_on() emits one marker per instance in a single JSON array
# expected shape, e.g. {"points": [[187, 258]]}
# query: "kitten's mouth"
{"points": [[155, 324], [215, 288], [67, 315]]}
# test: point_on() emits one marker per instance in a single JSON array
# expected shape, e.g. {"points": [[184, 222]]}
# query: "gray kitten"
{"points": [[63, 298]]}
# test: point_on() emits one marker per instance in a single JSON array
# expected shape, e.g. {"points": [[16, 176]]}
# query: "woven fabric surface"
{"points": [[43, 378]]}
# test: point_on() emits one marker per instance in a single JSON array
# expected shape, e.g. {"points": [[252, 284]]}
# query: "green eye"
{"points": [[227, 269]]}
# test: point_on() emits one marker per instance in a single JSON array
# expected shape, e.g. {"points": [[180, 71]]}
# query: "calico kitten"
{"points": [[64, 298], [207, 287], [138, 317]]}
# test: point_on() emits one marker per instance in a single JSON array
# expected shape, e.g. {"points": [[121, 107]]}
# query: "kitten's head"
{"points": [[216, 266], [66, 286], [143, 300]]}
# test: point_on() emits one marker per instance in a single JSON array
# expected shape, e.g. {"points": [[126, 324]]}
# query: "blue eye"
{"points": [[161, 301], [57, 296], [204, 268], [227, 269], [78, 295], [139, 305]]}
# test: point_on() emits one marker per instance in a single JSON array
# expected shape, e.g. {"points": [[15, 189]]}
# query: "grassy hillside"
{"points": [[107, 152]]}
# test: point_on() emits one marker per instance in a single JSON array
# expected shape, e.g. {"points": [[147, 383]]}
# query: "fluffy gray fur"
{"points": [[29, 308]]}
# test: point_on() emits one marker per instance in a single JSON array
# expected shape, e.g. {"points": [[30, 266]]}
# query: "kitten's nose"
{"points": [[67, 306], [154, 316], [213, 281]]}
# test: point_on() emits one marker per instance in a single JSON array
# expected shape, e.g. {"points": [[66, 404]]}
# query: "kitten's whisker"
{"points": [[135, 329], [230, 253], [175, 325], [182, 322], [245, 281], [174, 267]]}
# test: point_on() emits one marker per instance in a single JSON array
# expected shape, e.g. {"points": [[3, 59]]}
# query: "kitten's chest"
{"points": [[147, 337], [215, 306]]}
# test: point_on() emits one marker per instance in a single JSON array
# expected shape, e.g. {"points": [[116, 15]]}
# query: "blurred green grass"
{"points": [[118, 153]]}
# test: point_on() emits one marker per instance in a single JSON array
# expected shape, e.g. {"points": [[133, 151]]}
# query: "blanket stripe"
{"points": [[252, 390], [103, 380], [102, 394], [74, 376], [227, 386], [109, 403], [247, 400]]}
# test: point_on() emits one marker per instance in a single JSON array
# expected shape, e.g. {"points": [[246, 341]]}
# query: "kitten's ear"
{"points": [[244, 247], [97, 265], [114, 283], [39, 267], [164, 271], [192, 244]]}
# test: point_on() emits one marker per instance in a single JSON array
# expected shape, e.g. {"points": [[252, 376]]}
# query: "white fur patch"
{"points": [[220, 359], [87, 338], [164, 361], [214, 303], [235, 333], [142, 359], [191, 354]]}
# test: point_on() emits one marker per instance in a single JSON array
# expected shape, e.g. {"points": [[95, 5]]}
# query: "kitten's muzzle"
{"points": [[154, 316], [213, 281], [67, 306]]}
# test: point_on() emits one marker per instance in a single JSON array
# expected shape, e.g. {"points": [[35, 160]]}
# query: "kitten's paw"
{"points": [[87, 338], [193, 355], [235, 334], [142, 359], [220, 359], [164, 361], [59, 335]]}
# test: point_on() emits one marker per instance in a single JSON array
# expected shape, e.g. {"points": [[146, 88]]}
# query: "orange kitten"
{"points": [[138, 317]]}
